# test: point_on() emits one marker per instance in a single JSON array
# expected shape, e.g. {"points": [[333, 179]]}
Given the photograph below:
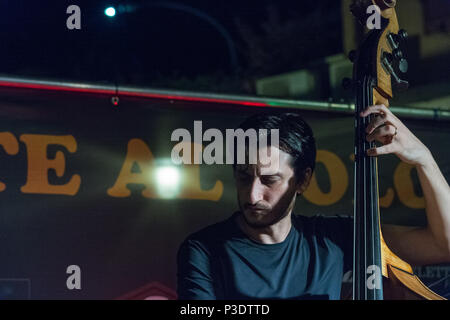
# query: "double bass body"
{"points": [[374, 72]]}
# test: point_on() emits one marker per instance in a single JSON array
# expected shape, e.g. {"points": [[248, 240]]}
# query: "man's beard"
{"points": [[260, 224], [280, 213]]}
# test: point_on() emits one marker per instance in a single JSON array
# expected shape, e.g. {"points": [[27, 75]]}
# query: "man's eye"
{"points": [[268, 180]]}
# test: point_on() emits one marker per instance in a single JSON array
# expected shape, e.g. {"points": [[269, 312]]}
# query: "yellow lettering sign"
{"points": [[338, 176], [11, 146], [405, 188], [161, 181], [137, 153], [39, 164]]}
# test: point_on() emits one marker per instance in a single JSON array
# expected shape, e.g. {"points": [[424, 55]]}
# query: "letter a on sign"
{"points": [[74, 280], [74, 20]]}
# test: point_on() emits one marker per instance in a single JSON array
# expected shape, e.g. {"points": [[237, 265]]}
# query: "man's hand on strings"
{"points": [[396, 138]]}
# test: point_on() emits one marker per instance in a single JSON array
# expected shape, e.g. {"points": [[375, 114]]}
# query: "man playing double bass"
{"points": [[264, 251]]}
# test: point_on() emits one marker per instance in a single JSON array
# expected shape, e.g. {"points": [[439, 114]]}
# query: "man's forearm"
{"points": [[437, 201]]}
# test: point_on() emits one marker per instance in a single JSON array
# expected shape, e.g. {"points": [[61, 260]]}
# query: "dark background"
{"points": [[158, 46]]}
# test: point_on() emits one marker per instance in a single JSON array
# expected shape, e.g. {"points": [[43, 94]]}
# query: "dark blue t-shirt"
{"points": [[221, 262]]}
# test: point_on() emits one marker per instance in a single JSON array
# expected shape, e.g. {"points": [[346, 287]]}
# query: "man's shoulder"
{"points": [[320, 223], [320, 217], [213, 232]]}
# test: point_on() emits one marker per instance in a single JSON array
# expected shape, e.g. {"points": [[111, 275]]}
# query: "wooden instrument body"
{"points": [[372, 82]]}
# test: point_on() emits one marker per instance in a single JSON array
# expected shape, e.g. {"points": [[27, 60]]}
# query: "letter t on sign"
{"points": [[11, 146]]}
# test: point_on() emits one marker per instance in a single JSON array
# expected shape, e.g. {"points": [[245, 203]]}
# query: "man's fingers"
{"points": [[379, 108], [386, 149], [385, 116], [378, 123], [381, 133]]}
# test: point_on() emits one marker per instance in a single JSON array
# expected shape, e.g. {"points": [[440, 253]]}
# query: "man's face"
{"points": [[266, 194]]}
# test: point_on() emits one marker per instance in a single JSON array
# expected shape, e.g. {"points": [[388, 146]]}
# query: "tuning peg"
{"points": [[402, 35], [398, 54], [400, 85], [403, 65], [352, 56], [395, 39], [393, 43], [388, 57]]}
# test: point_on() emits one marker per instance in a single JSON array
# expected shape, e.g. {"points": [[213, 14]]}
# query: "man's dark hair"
{"points": [[295, 138]]}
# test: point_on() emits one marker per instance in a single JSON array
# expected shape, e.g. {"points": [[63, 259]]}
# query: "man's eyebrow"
{"points": [[278, 174]]}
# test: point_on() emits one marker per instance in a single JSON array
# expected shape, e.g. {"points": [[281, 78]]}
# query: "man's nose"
{"points": [[256, 192]]}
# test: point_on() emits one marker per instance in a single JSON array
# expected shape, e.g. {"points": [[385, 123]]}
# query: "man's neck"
{"points": [[273, 234]]}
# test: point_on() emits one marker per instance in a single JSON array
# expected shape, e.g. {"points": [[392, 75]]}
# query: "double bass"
{"points": [[379, 64]]}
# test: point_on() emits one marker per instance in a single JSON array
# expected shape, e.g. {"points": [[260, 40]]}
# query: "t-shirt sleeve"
{"points": [[194, 274]]}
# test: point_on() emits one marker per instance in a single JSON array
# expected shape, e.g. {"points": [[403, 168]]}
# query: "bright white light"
{"points": [[110, 12], [167, 176], [167, 181]]}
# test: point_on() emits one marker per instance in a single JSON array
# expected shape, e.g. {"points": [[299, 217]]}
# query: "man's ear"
{"points": [[306, 180]]}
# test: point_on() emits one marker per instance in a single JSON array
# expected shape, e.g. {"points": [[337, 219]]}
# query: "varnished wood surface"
{"points": [[406, 286]]}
